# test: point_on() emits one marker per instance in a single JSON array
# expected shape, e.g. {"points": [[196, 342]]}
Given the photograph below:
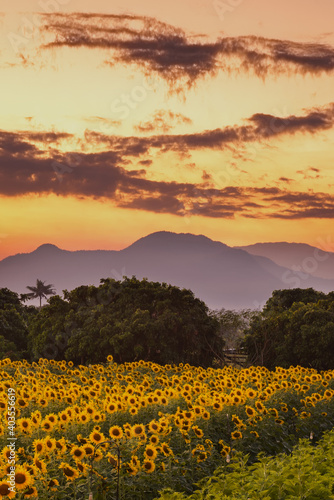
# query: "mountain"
{"points": [[220, 275], [297, 256]]}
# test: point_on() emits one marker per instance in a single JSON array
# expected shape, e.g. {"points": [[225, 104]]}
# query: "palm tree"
{"points": [[41, 290]]}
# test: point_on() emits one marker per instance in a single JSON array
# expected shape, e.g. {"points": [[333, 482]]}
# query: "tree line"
{"points": [[138, 319]]}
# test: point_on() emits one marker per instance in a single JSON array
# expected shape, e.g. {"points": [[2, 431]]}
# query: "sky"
{"points": [[119, 119]]}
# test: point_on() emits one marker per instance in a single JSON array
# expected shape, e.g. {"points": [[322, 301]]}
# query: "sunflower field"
{"points": [[132, 430]]}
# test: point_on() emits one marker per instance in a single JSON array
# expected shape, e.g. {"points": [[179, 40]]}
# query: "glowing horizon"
{"points": [[213, 119]]}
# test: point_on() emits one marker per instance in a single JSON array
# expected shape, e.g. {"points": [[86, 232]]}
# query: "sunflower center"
{"points": [[20, 478]]}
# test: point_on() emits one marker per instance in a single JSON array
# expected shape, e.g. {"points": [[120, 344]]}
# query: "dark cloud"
{"points": [[167, 51], [318, 119], [28, 168], [259, 127], [14, 143], [286, 179]]}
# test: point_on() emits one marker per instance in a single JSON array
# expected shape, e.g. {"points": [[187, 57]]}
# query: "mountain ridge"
{"points": [[220, 275]]}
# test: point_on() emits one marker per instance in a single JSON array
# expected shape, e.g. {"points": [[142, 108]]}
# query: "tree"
{"points": [[131, 320], [295, 327], [41, 290], [14, 324], [233, 325]]}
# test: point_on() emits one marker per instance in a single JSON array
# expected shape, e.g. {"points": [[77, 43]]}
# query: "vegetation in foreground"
{"points": [[306, 474], [80, 428]]}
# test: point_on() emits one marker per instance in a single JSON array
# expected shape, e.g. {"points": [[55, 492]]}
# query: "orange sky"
{"points": [[120, 119]]}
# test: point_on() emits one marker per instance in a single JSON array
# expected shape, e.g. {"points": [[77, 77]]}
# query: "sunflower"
{"points": [[133, 410], [201, 456], [153, 426], [81, 439], [250, 411], [60, 446], [206, 415], [90, 410], [328, 394], [148, 466], [225, 451], [50, 443], [46, 425], [83, 417], [52, 484], [112, 459], [97, 437], [89, 450], [98, 455], [132, 400], [39, 446], [52, 418], [36, 417], [135, 461], [255, 433], [154, 439], [138, 430], [273, 412], [150, 452], [130, 469], [166, 450], [64, 417], [40, 464], [82, 468], [25, 425], [116, 432], [78, 452], [69, 472], [22, 403], [259, 406], [6, 469], [197, 410], [251, 393], [199, 433], [31, 492], [22, 477], [236, 435], [236, 420]]}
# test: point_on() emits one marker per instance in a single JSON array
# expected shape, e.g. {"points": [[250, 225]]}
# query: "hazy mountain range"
{"points": [[222, 276]]}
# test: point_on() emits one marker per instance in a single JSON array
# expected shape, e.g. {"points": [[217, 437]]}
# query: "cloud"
{"points": [[286, 180], [177, 57], [26, 169], [257, 128], [102, 120], [314, 120], [162, 121], [310, 173]]}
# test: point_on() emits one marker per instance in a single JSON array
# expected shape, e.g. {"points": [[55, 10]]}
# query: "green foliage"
{"points": [[129, 319], [306, 474], [233, 325], [295, 327], [14, 319], [40, 291]]}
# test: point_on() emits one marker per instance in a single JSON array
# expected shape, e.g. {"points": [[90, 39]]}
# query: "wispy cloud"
{"points": [[162, 121], [177, 57], [257, 128]]}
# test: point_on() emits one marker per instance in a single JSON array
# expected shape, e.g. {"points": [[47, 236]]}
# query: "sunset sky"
{"points": [[122, 118]]}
